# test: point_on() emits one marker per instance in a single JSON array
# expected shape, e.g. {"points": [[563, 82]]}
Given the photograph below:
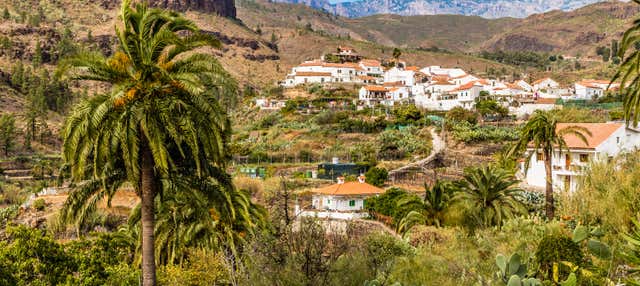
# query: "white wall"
{"points": [[620, 141], [337, 203]]}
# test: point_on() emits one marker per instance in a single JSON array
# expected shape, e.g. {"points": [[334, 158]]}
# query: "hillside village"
{"points": [[435, 87]]}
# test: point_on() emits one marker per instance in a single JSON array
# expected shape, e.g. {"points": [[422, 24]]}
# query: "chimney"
{"points": [[340, 180], [361, 178]]}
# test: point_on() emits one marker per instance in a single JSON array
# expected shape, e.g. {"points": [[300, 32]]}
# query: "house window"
{"points": [[584, 158], [540, 156], [618, 140], [328, 202], [352, 203]]}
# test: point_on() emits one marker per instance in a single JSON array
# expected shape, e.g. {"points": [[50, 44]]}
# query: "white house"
{"points": [[344, 196], [322, 72], [528, 106], [389, 94], [545, 83], [524, 85], [372, 67], [590, 89], [270, 104], [400, 75], [606, 141]]}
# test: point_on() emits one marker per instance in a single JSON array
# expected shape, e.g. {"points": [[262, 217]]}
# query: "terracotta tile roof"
{"points": [[330, 65], [346, 48], [442, 82], [371, 63], [350, 189], [313, 74], [514, 86], [599, 133], [546, 101], [375, 88], [412, 68], [393, 83], [468, 85], [311, 64], [601, 84]]}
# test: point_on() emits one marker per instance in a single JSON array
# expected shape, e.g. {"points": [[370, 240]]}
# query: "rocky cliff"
{"points": [[226, 8]]}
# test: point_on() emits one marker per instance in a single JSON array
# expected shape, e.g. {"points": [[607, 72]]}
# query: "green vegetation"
{"points": [[518, 58]]}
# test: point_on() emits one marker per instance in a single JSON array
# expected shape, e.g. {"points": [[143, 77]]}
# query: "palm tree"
{"points": [[491, 193], [431, 209], [628, 72], [162, 111], [200, 213], [541, 134]]}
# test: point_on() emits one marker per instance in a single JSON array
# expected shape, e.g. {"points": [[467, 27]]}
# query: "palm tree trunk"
{"points": [[549, 206], [148, 189]]}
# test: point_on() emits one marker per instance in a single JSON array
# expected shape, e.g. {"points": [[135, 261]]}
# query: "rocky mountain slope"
{"points": [[577, 32], [483, 8]]}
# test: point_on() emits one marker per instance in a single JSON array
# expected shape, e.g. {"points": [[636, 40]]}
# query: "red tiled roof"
{"points": [[371, 63], [599, 133], [375, 88], [349, 189], [393, 83], [412, 68], [313, 74], [546, 101]]}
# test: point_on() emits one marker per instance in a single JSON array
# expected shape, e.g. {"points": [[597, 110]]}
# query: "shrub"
{"points": [[468, 133], [387, 204], [39, 204], [377, 176], [459, 114], [555, 249]]}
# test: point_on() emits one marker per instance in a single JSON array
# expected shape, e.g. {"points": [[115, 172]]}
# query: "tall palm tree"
{"points": [[491, 194], [541, 134], [162, 111], [628, 73]]}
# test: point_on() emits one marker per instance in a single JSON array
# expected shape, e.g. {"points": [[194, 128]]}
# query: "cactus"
{"points": [[517, 281], [508, 269]]}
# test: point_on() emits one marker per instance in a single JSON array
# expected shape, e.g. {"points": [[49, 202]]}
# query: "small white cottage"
{"points": [[344, 196]]}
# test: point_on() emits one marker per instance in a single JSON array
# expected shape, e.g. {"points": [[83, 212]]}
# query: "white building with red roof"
{"points": [[607, 140], [344, 196], [590, 89], [544, 84]]}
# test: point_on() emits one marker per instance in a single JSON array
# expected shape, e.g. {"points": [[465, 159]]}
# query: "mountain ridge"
{"points": [[485, 8]]}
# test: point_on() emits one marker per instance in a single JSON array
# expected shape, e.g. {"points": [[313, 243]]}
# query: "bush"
{"points": [[387, 204], [377, 176], [468, 133], [39, 204], [459, 114], [555, 249]]}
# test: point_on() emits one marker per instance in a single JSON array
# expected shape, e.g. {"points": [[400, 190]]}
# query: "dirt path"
{"points": [[438, 146]]}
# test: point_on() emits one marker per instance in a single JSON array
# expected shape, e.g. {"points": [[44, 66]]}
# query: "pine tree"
{"points": [[37, 55], [7, 133], [17, 75], [5, 14]]}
